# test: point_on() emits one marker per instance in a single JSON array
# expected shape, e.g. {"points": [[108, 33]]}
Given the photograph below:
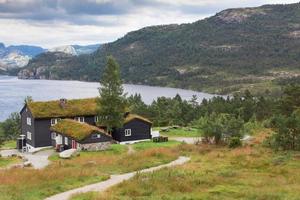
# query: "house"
{"points": [[39, 118], [68, 133]]}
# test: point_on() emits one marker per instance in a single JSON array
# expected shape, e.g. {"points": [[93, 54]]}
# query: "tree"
{"points": [[11, 127], [287, 136], [111, 102]]}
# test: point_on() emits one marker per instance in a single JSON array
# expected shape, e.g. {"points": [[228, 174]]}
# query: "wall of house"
{"points": [[100, 146], [103, 138], [140, 130], [24, 127], [42, 132]]}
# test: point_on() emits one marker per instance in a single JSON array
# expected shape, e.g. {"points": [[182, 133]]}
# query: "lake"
{"points": [[13, 92]]}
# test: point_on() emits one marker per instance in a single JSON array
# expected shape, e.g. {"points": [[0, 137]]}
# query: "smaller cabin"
{"points": [[135, 128], [68, 133]]}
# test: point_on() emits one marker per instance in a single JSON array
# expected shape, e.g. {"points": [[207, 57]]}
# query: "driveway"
{"points": [[38, 160]]}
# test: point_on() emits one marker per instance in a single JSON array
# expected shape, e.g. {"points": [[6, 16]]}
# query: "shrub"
{"points": [[235, 142]]}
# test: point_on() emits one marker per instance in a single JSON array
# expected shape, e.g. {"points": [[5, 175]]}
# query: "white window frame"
{"points": [[96, 118], [96, 136], [127, 132], [79, 119], [29, 135], [29, 121], [66, 141], [53, 135], [54, 121]]}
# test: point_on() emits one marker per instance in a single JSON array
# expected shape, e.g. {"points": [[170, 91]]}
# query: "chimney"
{"points": [[63, 103]]}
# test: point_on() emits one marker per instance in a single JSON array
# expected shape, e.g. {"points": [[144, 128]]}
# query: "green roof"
{"points": [[72, 108], [75, 129], [131, 117]]}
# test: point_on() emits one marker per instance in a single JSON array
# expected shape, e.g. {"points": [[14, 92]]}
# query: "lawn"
{"points": [[90, 167], [180, 132], [252, 172], [4, 162], [11, 144]]}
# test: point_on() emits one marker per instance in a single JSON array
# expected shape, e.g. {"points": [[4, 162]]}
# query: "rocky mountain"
{"points": [[76, 49], [234, 49], [17, 56]]}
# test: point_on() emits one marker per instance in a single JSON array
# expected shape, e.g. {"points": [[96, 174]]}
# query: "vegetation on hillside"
{"points": [[231, 51], [247, 173]]}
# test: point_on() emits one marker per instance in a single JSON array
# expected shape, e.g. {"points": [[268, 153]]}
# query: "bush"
{"points": [[235, 142]]}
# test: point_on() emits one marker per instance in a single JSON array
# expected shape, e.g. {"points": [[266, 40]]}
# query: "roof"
{"points": [[131, 117], [72, 108], [75, 129]]}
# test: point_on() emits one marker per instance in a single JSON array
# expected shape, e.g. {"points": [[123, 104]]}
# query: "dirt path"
{"points": [[188, 140], [114, 179], [131, 150]]}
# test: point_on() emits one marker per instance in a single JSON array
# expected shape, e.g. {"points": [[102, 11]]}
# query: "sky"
{"points": [[52, 23]]}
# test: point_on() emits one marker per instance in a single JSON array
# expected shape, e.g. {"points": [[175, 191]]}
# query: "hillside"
{"points": [[236, 48]]}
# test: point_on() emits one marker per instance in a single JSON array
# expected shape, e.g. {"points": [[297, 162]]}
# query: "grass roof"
{"points": [[75, 129], [131, 117], [72, 108]]}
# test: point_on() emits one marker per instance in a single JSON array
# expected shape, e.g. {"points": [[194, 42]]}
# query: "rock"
{"points": [[68, 153], [164, 129], [27, 164]]}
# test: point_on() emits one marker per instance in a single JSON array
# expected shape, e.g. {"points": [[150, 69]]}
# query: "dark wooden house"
{"points": [[37, 118], [135, 128], [68, 133]]}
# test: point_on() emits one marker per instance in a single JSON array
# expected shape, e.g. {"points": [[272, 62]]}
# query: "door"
{"points": [[74, 144]]}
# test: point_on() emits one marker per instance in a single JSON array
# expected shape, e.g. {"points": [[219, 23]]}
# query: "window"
{"points": [[95, 136], [66, 141], [53, 135], [79, 119], [127, 132], [54, 121], [28, 135], [96, 119], [29, 121]]}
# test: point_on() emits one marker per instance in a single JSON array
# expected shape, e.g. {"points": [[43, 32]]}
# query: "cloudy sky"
{"points": [[50, 23]]}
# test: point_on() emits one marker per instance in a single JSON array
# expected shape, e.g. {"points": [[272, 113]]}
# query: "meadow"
{"points": [[89, 167], [251, 172]]}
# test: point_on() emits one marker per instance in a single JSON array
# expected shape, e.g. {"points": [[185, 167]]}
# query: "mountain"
{"points": [[76, 49], [240, 48], [17, 56]]}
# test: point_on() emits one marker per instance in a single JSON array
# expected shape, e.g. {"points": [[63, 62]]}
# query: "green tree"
{"points": [[11, 127], [112, 101]]}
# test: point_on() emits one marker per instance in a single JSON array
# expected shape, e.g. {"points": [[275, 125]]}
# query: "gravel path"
{"points": [[114, 179], [38, 160], [188, 140]]}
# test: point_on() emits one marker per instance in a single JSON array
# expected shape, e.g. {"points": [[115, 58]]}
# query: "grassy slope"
{"points": [[89, 167], [4, 162], [251, 172], [181, 132], [11, 144]]}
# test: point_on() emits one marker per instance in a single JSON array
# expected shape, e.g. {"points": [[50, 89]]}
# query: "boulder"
{"points": [[68, 153], [27, 164]]}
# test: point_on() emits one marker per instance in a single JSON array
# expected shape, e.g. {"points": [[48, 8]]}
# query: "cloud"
{"points": [[59, 22]]}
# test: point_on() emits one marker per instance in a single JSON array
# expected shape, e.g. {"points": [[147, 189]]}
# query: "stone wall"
{"points": [[100, 146]]}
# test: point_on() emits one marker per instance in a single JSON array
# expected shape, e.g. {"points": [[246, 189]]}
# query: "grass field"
{"points": [[4, 162], [181, 132], [11, 144], [252, 172], [90, 167]]}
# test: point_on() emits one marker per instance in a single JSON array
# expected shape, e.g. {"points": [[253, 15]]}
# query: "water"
{"points": [[13, 92]]}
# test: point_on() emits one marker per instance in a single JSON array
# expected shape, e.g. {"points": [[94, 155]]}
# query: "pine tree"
{"points": [[111, 103]]}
